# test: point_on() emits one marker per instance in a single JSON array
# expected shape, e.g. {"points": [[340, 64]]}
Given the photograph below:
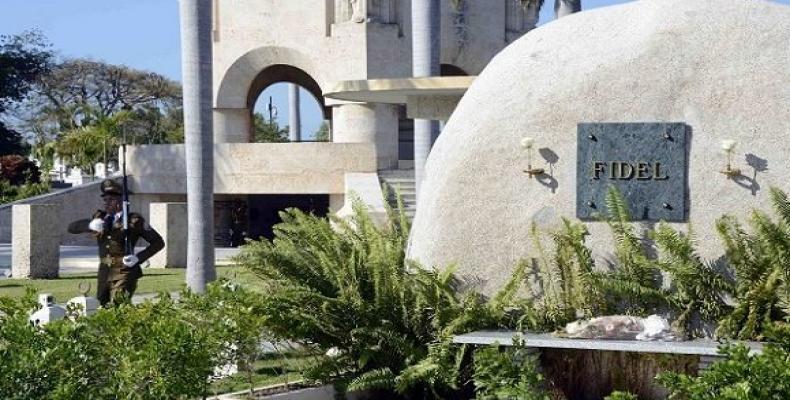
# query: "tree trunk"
{"points": [[196, 58], [426, 44], [566, 7], [294, 118]]}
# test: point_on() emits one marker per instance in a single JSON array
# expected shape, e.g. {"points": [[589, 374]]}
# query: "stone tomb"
{"points": [[719, 67]]}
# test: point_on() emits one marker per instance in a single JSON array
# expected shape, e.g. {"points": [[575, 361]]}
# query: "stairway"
{"points": [[401, 181]]}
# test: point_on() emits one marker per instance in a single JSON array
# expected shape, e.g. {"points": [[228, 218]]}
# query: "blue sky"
{"points": [[144, 34]]}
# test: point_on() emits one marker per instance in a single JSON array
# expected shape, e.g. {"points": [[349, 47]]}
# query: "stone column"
{"points": [[196, 72], [170, 220], [35, 241], [426, 44], [369, 123], [294, 119]]}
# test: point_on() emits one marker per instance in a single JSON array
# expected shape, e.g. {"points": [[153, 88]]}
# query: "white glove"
{"points": [[96, 225], [130, 261]]}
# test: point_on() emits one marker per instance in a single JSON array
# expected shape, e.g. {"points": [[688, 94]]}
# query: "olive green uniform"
{"points": [[114, 279]]}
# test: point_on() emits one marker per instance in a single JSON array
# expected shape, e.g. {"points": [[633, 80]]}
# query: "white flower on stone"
{"points": [[728, 145], [527, 142]]}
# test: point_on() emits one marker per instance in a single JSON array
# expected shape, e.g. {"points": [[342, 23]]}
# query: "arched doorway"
{"points": [[269, 100]]}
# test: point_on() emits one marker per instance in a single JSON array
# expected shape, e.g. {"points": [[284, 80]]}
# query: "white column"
{"points": [[426, 43], [294, 118], [196, 59]]}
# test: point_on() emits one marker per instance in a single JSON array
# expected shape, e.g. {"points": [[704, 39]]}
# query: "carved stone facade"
{"points": [[359, 11], [519, 19]]}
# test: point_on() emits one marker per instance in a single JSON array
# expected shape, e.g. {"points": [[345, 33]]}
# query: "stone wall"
{"points": [[78, 203], [254, 168]]}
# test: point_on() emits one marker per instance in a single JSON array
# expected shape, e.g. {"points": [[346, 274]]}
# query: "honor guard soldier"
{"points": [[119, 267]]}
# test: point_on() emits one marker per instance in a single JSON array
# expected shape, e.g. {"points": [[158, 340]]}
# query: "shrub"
{"points": [[567, 289], [740, 376], [156, 350], [507, 373], [18, 170], [10, 193], [621, 396], [761, 262], [345, 286]]}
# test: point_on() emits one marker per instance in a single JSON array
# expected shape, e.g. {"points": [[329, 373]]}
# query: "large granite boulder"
{"points": [[720, 66]]}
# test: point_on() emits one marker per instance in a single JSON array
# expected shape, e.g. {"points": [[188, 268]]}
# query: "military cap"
{"points": [[110, 187]]}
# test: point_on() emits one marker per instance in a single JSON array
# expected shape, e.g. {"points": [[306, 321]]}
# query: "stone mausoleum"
{"points": [[323, 46], [358, 50], [643, 96]]}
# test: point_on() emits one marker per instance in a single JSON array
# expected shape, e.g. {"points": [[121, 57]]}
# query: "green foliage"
{"points": [[761, 264], [621, 396], [23, 59], [268, 131], [18, 170], [740, 376], [322, 134], [566, 280], [94, 142], [698, 289], [10, 193], [156, 350], [507, 373], [345, 286], [634, 286]]}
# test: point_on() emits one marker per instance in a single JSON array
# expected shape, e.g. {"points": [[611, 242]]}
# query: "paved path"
{"points": [[84, 259]]}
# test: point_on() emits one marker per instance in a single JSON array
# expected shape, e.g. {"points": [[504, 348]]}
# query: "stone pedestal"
{"points": [[170, 220], [35, 241]]}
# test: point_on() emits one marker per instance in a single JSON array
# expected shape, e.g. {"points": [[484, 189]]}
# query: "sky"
{"points": [[144, 34]]}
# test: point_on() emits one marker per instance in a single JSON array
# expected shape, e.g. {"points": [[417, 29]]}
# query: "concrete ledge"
{"points": [[397, 91], [254, 168], [700, 347]]}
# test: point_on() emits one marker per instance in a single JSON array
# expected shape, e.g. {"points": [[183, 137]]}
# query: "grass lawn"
{"points": [[154, 280]]}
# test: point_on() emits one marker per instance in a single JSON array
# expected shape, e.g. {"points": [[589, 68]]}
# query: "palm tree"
{"points": [[425, 18], [196, 47]]}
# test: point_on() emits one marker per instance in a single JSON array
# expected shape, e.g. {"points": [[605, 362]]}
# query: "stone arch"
{"points": [[286, 73], [234, 88], [248, 76]]}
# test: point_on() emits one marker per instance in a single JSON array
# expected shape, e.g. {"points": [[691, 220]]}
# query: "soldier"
{"points": [[118, 273]]}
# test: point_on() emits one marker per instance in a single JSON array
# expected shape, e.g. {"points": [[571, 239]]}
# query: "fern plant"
{"points": [[698, 290], [635, 285], [565, 280], [346, 285], [761, 263]]}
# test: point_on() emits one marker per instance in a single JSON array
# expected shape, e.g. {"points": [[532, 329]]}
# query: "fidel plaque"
{"points": [[646, 162]]}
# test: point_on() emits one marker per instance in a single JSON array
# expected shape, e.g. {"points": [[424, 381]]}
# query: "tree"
{"points": [[78, 92], [23, 58], [88, 145], [268, 131], [322, 134], [196, 55]]}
